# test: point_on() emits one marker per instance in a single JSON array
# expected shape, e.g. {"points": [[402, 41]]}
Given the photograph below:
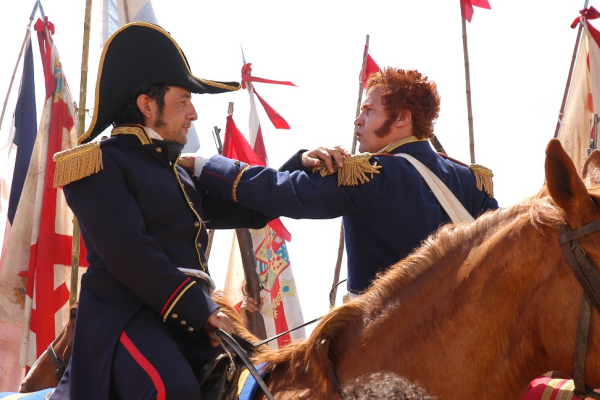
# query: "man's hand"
{"points": [[329, 155], [248, 305], [217, 320], [187, 161]]}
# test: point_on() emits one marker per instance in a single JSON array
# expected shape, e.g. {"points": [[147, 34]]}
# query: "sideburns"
{"points": [[385, 127]]}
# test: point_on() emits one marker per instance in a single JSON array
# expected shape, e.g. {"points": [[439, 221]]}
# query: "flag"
{"points": [[583, 100], [466, 7], [15, 154], [370, 68], [36, 260], [256, 137], [280, 304], [116, 13]]}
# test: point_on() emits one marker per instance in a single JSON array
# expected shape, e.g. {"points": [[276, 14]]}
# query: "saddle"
{"points": [[220, 377]]}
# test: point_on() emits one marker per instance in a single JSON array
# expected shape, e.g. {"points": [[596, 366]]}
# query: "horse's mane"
{"points": [[315, 356]]}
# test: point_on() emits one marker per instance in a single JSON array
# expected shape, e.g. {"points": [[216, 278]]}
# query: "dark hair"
{"points": [[131, 114], [383, 385], [408, 90]]}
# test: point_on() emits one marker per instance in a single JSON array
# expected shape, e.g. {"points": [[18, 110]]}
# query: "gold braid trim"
{"points": [[77, 163], [237, 182], [484, 178], [135, 130], [398, 143], [355, 169]]}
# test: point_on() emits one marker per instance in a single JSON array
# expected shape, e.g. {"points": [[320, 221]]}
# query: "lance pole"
{"points": [[12, 79], [569, 77], [80, 131], [340, 256], [468, 89]]}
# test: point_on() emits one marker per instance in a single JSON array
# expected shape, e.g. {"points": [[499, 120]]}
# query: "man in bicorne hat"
{"points": [[145, 311]]}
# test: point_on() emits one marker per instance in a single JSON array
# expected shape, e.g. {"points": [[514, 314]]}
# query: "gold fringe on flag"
{"points": [[484, 178], [77, 163], [355, 170]]}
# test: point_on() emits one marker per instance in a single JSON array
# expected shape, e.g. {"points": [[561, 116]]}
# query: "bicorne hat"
{"points": [[139, 54]]}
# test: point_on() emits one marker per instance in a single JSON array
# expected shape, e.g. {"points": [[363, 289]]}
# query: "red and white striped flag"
{"points": [[37, 257], [584, 93], [15, 154]]}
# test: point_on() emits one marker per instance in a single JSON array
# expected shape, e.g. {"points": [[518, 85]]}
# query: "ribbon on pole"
{"points": [[273, 115]]}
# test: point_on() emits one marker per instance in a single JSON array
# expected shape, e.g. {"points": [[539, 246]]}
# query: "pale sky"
{"points": [[519, 53]]}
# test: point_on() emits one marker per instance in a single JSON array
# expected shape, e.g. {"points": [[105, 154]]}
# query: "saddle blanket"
{"points": [[39, 395], [247, 385], [551, 389]]}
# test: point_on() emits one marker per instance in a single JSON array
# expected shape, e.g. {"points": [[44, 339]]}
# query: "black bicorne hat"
{"points": [[139, 54]]}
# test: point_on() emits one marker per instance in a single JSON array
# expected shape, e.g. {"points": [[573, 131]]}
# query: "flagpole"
{"points": [[569, 77], [341, 244], [80, 131], [27, 36], [468, 84]]}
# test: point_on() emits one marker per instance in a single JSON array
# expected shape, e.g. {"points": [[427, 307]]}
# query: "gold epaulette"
{"points": [[77, 163], [355, 169], [484, 178]]}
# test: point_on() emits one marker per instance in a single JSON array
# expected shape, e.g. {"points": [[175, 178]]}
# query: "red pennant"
{"points": [[371, 68], [466, 7], [236, 146]]}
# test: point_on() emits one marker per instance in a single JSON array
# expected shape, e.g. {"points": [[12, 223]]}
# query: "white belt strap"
{"points": [[455, 210]]}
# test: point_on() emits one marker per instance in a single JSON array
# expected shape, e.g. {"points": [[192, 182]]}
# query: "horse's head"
{"points": [[43, 374], [580, 240]]}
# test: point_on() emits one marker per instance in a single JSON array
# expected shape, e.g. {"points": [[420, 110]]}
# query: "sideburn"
{"points": [[385, 127]]}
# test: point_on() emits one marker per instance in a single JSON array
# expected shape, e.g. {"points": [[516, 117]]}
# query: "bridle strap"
{"points": [[584, 270], [578, 233], [223, 336], [60, 365], [589, 279], [581, 345]]}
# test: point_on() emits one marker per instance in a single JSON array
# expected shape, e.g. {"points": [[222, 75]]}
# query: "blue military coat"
{"points": [[384, 219], [141, 217]]}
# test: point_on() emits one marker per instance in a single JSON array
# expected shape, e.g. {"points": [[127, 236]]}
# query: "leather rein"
{"points": [[589, 279]]}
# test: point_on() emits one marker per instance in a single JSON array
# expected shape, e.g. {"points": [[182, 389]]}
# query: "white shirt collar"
{"points": [[152, 133]]}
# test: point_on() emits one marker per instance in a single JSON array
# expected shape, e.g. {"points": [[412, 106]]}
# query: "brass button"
{"points": [[199, 245], [191, 204], [174, 316], [183, 322], [197, 224], [158, 150], [237, 162], [191, 329]]}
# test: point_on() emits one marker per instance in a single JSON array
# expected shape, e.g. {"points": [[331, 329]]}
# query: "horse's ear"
{"points": [[591, 169], [566, 187]]}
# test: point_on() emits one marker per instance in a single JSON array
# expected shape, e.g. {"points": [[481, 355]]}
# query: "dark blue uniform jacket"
{"points": [[384, 219], [141, 218]]}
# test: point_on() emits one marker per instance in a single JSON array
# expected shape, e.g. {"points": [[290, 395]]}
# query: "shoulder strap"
{"points": [[447, 199]]}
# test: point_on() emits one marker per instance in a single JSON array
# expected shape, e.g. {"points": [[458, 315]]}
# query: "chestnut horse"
{"points": [[477, 312]]}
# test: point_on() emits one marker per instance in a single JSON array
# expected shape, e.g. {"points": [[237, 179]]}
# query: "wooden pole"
{"points": [[27, 36], [80, 131], [468, 84], [569, 77], [341, 244]]}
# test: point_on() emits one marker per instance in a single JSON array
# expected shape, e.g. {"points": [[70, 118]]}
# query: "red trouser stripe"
{"points": [[146, 366]]}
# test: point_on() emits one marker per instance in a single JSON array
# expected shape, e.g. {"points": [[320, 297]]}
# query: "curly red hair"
{"points": [[408, 90]]}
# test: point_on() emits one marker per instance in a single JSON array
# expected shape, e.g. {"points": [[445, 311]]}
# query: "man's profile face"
{"points": [[372, 122], [176, 117]]}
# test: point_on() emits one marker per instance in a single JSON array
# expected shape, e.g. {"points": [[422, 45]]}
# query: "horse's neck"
{"points": [[467, 316]]}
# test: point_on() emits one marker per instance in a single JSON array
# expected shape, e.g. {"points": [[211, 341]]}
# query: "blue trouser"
{"points": [[153, 362]]}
